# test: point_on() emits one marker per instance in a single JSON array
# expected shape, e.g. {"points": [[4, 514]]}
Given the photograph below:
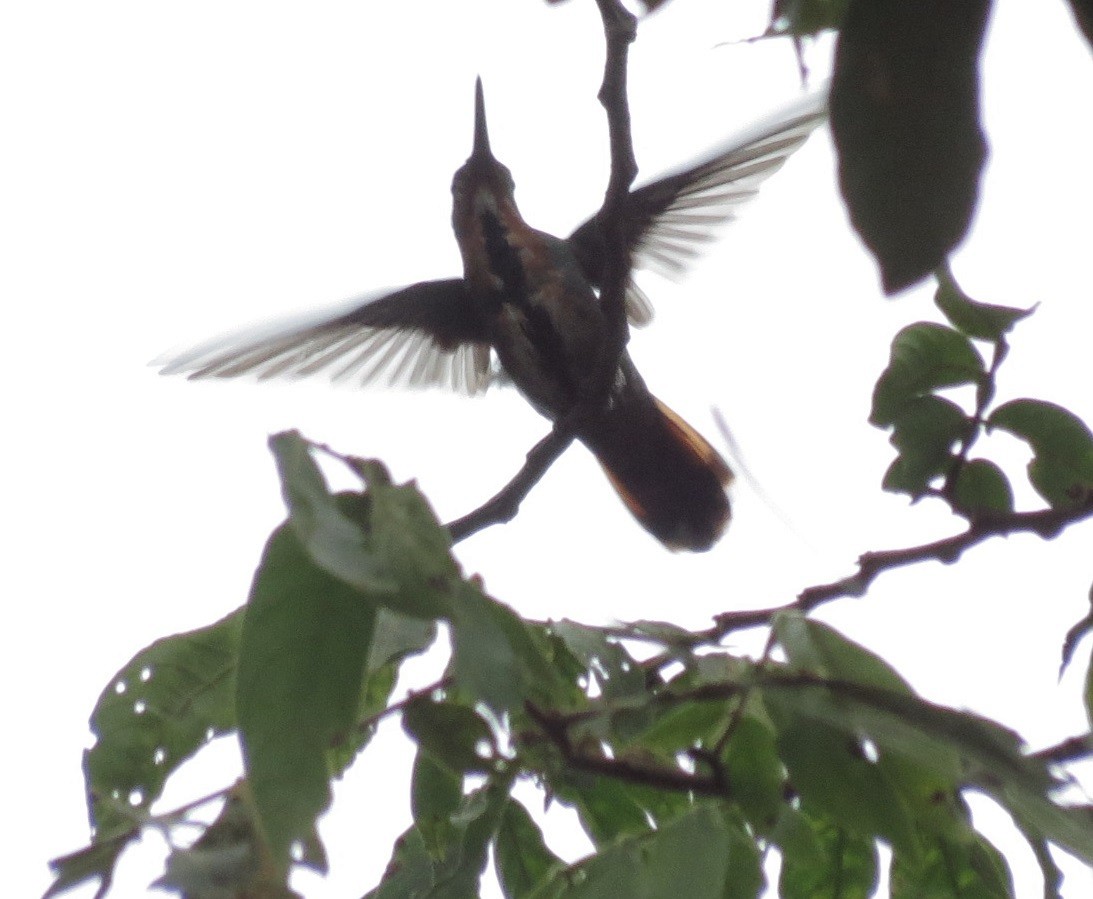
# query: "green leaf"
{"points": [[925, 357], [1088, 693], [1071, 827], [925, 431], [375, 694], [829, 768], [847, 870], [681, 726], [981, 321], [795, 834], [386, 543], [409, 874], [459, 870], [754, 773], [302, 655], [703, 854], [820, 649], [398, 636], [168, 701], [415, 546], [95, 861], [454, 735], [496, 657], [335, 542], [967, 869], [607, 808], [521, 856], [1053, 876], [1062, 445], [955, 746], [435, 794], [982, 487], [616, 672], [804, 18]]}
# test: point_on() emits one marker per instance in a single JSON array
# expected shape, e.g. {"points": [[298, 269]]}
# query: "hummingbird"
{"points": [[527, 311]]}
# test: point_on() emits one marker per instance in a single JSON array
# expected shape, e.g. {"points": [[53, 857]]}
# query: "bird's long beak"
{"points": [[481, 135]]}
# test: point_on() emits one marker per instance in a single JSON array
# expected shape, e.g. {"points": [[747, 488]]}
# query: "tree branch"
{"points": [[1048, 523], [1069, 750], [555, 726]]}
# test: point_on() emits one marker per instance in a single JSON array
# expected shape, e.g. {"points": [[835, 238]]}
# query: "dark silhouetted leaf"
{"points": [[1061, 469], [803, 18], [905, 119], [981, 486], [924, 357], [979, 320], [1083, 16], [926, 431]]}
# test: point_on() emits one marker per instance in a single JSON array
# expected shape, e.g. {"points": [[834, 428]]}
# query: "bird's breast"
{"points": [[548, 326]]}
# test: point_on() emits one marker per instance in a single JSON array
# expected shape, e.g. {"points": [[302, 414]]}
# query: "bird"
{"points": [[527, 311]]}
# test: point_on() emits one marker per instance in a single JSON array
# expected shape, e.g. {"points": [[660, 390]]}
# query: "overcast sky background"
{"points": [[171, 171]]}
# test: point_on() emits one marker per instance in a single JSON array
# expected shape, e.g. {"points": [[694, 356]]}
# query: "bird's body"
{"points": [[531, 300]]}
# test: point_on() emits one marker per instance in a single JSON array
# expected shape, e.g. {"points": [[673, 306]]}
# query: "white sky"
{"points": [[171, 171]]}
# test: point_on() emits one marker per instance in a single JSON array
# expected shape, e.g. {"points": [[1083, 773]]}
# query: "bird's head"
{"points": [[483, 192]]}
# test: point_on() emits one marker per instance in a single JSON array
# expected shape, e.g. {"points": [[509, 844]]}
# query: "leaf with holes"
{"points": [[161, 708]]}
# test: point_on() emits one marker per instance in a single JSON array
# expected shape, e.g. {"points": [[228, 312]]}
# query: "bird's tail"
{"points": [[668, 475]]}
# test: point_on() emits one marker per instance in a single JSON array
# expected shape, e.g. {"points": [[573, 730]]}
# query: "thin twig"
{"points": [[1046, 522], [555, 727], [1069, 750]]}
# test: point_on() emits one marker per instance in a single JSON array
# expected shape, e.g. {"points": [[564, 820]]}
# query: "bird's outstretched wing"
{"points": [[425, 335], [669, 220]]}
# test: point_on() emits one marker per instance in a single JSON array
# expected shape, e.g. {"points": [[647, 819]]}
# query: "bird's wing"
{"points": [[424, 335], [669, 220]]}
